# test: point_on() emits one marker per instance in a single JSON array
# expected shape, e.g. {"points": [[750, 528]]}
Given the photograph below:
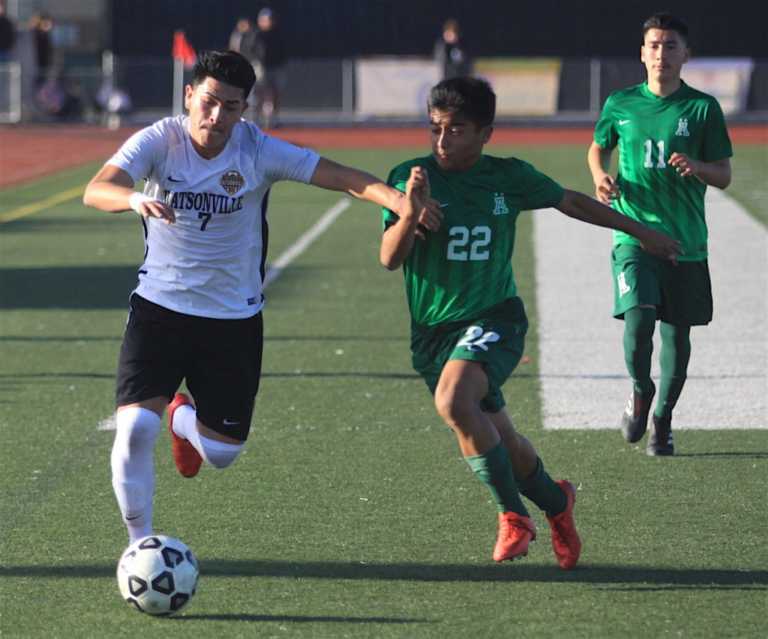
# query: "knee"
{"points": [[219, 454], [137, 426], [453, 408], [219, 460]]}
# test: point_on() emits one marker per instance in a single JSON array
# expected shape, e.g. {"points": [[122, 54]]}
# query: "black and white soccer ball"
{"points": [[158, 575]]}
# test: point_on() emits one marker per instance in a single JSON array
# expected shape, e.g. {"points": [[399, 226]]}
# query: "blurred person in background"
{"points": [[245, 40], [41, 25], [7, 34], [673, 143], [273, 58], [450, 53]]}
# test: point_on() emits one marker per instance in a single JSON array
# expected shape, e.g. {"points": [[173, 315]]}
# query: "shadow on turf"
{"points": [[299, 619], [597, 574], [75, 287], [726, 453], [292, 374]]}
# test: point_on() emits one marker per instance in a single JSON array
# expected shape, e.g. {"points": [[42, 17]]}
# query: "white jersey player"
{"points": [[196, 313], [211, 261]]}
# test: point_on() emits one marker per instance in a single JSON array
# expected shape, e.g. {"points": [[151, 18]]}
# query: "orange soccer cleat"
{"points": [[186, 458], [565, 539], [515, 533]]}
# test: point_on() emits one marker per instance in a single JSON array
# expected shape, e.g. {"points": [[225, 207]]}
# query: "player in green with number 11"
{"points": [[468, 324], [673, 143]]}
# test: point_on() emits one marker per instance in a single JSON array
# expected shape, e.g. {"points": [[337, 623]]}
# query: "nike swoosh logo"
{"points": [[442, 205], [170, 179], [230, 422], [623, 122], [132, 518]]}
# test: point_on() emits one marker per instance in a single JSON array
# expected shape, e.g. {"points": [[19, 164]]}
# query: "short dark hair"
{"points": [[668, 22], [471, 97], [225, 66]]}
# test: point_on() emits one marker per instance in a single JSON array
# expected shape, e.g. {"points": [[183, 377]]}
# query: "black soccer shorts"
{"points": [[220, 359]]}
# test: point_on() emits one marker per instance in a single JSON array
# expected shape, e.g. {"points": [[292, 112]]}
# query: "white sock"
{"points": [[133, 474], [216, 453]]}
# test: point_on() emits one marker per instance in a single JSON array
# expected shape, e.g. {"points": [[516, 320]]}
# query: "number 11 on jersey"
{"points": [[660, 161]]}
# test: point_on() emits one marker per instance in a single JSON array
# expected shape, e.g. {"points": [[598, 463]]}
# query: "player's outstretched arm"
{"points": [[599, 161], [364, 186], [397, 241], [584, 208], [111, 189], [717, 173]]}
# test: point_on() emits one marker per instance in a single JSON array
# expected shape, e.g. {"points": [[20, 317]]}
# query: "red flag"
{"points": [[182, 50]]}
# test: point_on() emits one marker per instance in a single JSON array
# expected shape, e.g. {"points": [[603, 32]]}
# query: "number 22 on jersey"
{"points": [[469, 244]]}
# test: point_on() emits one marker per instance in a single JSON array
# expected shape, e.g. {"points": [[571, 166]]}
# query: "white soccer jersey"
{"points": [[211, 262]]}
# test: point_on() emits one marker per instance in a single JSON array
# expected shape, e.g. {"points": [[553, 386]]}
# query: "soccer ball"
{"points": [[158, 575]]}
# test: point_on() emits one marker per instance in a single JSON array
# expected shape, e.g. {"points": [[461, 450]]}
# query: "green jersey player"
{"points": [[468, 324], [672, 143]]}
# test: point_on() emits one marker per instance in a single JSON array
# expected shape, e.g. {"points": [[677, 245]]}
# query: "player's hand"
{"points": [[661, 245], [606, 190], [158, 209], [431, 215], [418, 202], [684, 165]]}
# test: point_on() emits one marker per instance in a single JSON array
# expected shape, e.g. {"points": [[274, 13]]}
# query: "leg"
{"points": [[132, 462], [639, 324], [461, 386], [224, 379], [194, 442], [533, 481], [148, 366], [555, 498], [675, 355], [637, 299]]}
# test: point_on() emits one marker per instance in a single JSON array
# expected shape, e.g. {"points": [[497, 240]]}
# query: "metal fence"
{"points": [[332, 91]]}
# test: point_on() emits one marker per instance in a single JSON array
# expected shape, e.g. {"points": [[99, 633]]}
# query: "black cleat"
{"points": [[634, 420], [660, 442]]}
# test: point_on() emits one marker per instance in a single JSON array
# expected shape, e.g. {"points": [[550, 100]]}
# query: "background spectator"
{"points": [[450, 53], [41, 26], [7, 34], [273, 57]]}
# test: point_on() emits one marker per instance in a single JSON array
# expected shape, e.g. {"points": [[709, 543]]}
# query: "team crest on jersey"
{"points": [[232, 182], [499, 204], [682, 128]]}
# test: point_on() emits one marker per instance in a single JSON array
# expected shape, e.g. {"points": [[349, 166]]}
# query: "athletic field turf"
{"points": [[351, 513]]}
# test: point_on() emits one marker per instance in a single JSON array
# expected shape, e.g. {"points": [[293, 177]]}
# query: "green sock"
{"points": [[675, 354], [494, 469], [638, 346], [541, 489]]}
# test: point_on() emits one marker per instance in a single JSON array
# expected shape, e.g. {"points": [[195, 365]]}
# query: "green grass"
{"points": [[351, 513]]}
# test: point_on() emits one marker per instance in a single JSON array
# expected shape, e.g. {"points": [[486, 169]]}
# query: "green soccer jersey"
{"points": [[648, 129], [465, 267]]}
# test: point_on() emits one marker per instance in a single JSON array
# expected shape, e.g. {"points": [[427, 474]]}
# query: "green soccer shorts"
{"points": [[682, 293], [496, 338]]}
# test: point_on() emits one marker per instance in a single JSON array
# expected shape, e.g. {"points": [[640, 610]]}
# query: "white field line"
{"points": [[277, 267], [584, 381]]}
